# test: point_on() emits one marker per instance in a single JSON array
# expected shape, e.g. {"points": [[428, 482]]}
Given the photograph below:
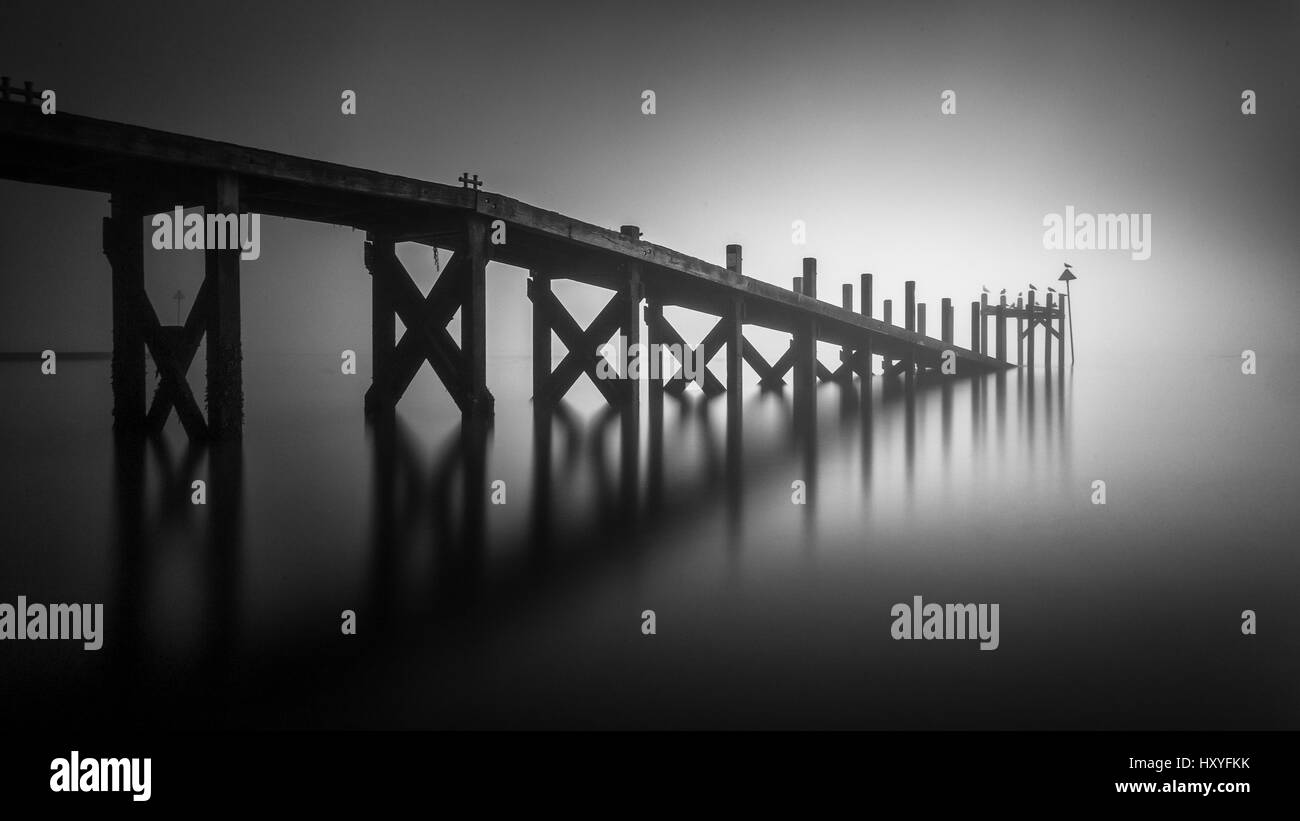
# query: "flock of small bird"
{"points": [[1032, 286]]}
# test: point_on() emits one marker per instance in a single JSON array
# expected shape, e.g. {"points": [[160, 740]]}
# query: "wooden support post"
{"points": [[798, 285], [805, 371], [975, 327], [1020, 331], [1047, 334], [735, 360], [889, 311], [920, 318], [864, 307], [945, 319], [1032, 323], [540, 288], [1060, 339], [810, 276], [631, 329], [225, 353], [984, 324], [383, 326], [654, 319], [124, 246], [845, 370], [630, 423], [909, 320], [1001, 329], [473, 319]]}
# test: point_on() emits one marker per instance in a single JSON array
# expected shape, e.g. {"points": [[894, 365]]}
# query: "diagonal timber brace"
{"points": [[461, 368]]}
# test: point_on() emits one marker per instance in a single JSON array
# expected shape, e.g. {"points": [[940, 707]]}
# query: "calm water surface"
{"points": [[769, 614]]}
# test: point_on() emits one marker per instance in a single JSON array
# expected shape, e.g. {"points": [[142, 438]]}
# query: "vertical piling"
{"points": [[541, 286], [810, 276], [224, 351], [124, 247], [1032, 322], [889, 311], [473, 318], [1020, 331], [1047, 333], [383, 326], [984, 324], [945, 320], [864, 307], [1001, 329], [1060, 326]]}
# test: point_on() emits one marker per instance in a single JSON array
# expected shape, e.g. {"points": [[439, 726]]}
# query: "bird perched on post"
{"points": [[983, 289], [1033, 287], [1003, 292]]}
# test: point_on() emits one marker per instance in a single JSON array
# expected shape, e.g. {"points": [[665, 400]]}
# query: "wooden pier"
{"points": [[145, 171]]}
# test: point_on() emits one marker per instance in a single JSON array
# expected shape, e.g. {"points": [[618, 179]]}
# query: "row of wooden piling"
{"points": [[915, 314]]}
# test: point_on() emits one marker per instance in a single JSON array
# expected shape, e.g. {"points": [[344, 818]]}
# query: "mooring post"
{"points": [[975, 327], [1032, 322], [889, 311], [541, 289], [1060, 327], [798, 285], [920, 318], [224, 351], [1020, 331], [733, 258], [124, 246], [1001, 327], [945, 320], [383, 325], [864, 307], [810, 276], [1047, 333]]}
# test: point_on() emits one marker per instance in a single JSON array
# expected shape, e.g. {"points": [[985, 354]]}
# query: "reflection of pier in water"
{"points": [[442, 506]]}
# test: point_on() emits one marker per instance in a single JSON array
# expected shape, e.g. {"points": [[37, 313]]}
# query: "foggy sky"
{"points": [[767, 113]]}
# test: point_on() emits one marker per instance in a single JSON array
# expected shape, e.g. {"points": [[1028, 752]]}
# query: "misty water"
{"points": [[768, 613]]}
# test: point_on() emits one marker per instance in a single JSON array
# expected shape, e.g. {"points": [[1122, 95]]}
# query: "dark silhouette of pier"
{"points": [[145, 171]]}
